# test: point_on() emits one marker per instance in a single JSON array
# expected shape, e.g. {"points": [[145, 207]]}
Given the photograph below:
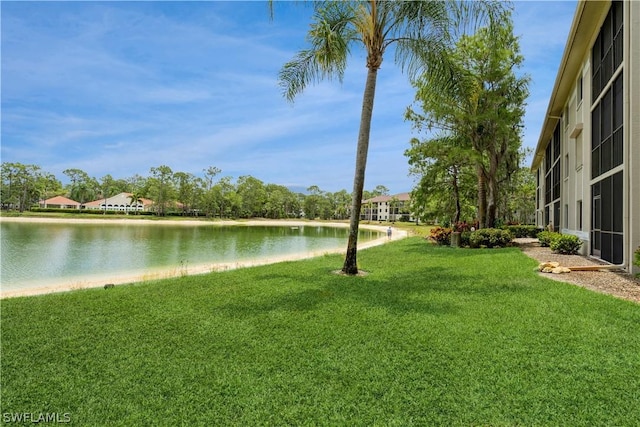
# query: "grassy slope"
{"points": [[432, 336]]}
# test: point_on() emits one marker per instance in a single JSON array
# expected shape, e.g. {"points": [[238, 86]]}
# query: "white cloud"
{"points": [[122, 86]]}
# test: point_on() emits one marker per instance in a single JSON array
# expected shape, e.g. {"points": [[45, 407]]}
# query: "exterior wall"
{"points": [[632, 82], [59, 202], [119, 202], [382, 208], [575, 195], [599, 136]]}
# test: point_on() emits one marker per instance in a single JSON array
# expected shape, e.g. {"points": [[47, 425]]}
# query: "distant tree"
{"points": [[211, 196], [370, 209], [520, 205], [340, 202], [23, 185], [313, 202], [293, 205], [446, 173], [107, 189], [393, 208], [136, 184], [186, 188], [274, 205], [120, 185], [252, 195], [48, 185], [318, 204], [82, 188], [279, 201], [225, 199], [162, 188], [380, 190]]}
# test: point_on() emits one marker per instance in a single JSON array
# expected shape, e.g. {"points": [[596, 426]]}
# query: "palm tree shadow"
{"points": [[433, 287], [436, 292]]}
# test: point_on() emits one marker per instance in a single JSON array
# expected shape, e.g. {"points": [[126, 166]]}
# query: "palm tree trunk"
{"points": [[350, 261], [482, 197], [456, 195], [492, 193]]}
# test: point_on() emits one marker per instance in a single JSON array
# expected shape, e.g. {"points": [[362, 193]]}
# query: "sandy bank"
{"points": [[121, 278]]}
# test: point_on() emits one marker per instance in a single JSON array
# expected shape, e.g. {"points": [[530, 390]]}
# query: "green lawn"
{"points": [[432, 336]]}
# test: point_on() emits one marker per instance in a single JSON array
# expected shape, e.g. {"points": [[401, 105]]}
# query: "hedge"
{"points": [[490, 238], [566, 244]]}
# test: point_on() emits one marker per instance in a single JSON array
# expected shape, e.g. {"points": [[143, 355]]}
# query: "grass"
{"points": [[432, 336], [413, 229]]}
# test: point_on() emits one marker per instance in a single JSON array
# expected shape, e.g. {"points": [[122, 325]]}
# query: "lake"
{"points": [[83, 253]]}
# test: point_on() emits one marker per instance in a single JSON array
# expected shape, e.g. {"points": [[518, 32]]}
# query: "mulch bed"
{"points": [[616, 283]]}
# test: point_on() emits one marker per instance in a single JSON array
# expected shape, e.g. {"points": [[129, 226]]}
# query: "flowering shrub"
{"points": [[464, 226], [490, 238], [566, 244], [441, 235]]}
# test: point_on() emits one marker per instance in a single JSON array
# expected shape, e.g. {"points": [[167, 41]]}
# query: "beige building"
{"points": [[120, 202], [386, 208], [587, 159]]}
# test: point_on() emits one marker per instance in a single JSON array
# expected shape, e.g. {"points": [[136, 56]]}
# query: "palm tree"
{"points": [[393, 208], [420, 31], [134, 199]]}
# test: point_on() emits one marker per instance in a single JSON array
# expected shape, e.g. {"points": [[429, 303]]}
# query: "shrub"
{"points": [[465, 238], [545, 237], [75, 211], [637, 261], [566, 244], [520, 231], [490, 238], [441, 235]]}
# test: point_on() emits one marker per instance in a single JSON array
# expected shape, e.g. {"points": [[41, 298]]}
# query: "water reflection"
{"points": [[36, 253]]}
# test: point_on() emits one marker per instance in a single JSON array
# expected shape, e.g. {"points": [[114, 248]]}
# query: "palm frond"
{"points": [[425, 30], [329, 38]]}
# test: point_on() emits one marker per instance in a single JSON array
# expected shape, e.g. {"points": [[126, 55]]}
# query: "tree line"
{"points": [[178, 193], [469, 99]]}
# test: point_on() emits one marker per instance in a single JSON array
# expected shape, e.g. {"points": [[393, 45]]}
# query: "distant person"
{"points": [[389, 233]]}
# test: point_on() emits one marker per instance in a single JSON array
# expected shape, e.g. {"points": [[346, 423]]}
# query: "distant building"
{"points": [[120, 202], [387, 208], [59, 202], [587, 160]]}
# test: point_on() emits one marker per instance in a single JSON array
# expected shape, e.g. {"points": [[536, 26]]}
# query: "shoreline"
{"points": [[86, 282]]}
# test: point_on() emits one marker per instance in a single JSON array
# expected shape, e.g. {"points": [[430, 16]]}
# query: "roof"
{"points": [[60, 200], [402, 197], [586, 21]]}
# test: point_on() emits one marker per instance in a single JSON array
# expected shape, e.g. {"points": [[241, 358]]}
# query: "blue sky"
{"points": [[120, 87]]}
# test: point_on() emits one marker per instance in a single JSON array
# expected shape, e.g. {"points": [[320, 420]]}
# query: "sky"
{"points": [[120, 87]]}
